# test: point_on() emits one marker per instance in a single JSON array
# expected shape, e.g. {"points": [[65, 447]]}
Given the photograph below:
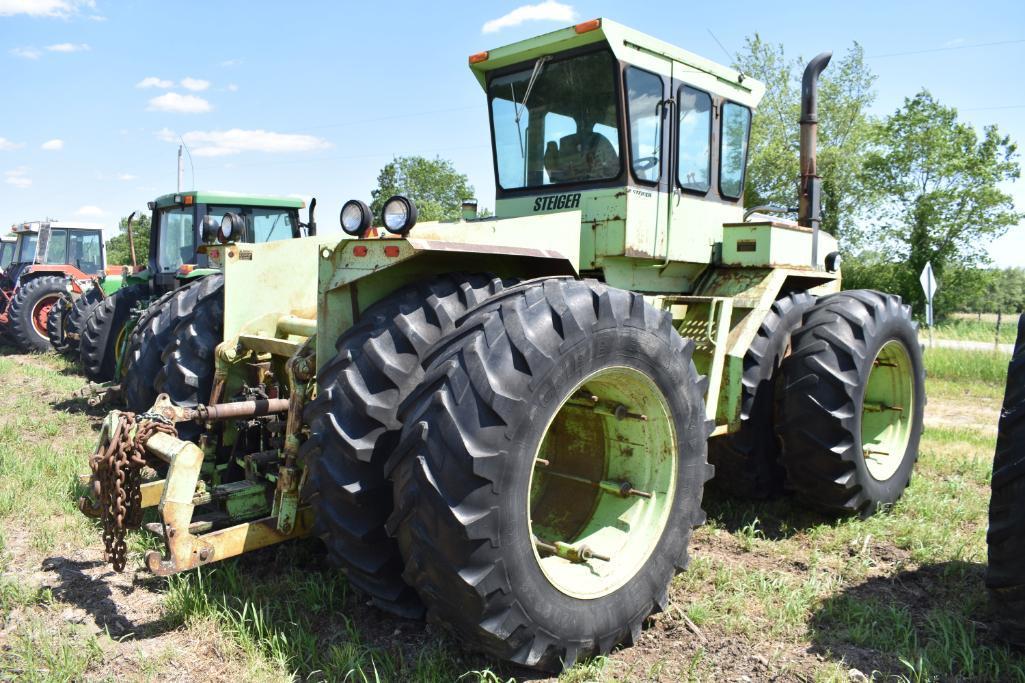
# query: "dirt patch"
{"points": [[976, 412]]}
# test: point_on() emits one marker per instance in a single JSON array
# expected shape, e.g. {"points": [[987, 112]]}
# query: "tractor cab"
{"points": [[184, 221], [75, 249]]}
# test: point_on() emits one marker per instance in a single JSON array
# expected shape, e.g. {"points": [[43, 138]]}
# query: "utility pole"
{"points": [[181, 169]]}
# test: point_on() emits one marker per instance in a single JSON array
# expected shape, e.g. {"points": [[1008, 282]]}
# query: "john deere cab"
{"points": [[506, 423], [135, 325], [49, 259]]}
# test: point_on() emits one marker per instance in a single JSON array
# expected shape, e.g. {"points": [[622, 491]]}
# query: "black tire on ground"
{"points": [[153, 332], [27, 327], [463, 469], [56, 323], [354, 427], [824, 384], [747, 461], [188, 372], [1005, 574], [98, 347], [80, 312]]}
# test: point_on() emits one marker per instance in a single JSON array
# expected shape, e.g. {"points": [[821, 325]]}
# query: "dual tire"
{"points": [[101, 343], [509, 461]]}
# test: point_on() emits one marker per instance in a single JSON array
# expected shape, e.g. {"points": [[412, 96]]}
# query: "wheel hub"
{"points": [[886, 415]]}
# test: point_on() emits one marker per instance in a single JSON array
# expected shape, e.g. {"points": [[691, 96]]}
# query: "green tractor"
{"points": [[505, 423], [132, 327], [50, 260]]}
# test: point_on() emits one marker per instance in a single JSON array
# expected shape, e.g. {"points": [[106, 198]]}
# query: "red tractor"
{"points": [[50, 257]]}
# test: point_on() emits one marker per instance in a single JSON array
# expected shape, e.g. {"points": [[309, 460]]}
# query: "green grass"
{"points": [[900, 593], [971, 329]]}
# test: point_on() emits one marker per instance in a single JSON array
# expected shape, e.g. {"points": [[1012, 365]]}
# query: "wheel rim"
{"points": [[886, 414], [41, 313], [119, 344], [587, 447]]}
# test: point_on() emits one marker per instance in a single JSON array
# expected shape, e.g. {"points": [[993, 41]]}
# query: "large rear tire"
{"points": [[853, 394], [80, 312], [100, 345], [747, 461], [30, 311], [503, 414], [187, 374], [1005, 574], [354, 427]]}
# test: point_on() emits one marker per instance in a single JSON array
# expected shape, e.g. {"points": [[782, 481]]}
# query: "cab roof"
{"points": [[211, 197], [632, 47], [34, 226]]}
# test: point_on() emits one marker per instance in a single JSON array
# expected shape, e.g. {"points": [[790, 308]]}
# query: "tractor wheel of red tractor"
{"points": [[30, 310]]}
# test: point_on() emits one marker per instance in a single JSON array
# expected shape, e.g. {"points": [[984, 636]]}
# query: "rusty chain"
{"points": [[116, 466]]}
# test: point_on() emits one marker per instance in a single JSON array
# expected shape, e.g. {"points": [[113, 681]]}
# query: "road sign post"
{"points": [[929, 286]]}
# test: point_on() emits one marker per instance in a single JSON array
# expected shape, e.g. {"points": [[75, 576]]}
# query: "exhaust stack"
{"points": [[810, 189]]}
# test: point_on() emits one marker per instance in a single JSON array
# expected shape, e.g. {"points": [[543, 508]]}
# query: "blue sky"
{"points": [[313, 98]]}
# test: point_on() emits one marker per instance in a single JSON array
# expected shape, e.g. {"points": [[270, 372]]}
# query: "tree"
{"points": [[937, 185], [434, 185], [117, 246], [845, 95]]}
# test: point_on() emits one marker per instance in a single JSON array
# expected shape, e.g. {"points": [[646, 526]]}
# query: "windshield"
{"points": [[176, 240], [271, 225], [27, 248], [565, 131]]}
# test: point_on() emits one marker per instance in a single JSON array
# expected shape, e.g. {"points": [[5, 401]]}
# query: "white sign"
{"points": [[929, 286]]}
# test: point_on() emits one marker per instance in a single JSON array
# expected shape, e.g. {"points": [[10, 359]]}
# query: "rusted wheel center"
{"points": [[41, 313]]}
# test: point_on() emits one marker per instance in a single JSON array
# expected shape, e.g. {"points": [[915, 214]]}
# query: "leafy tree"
{"points": [[117, 246], [845, 95], [937, 185], [434, 185]]}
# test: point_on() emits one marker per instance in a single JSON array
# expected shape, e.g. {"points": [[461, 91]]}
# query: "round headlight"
{"points": [[210, 229], [232, 228], [833, 259], [355, 217], [398, 215]]}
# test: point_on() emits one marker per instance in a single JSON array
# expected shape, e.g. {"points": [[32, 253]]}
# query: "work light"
{"points": [[210, 229], [355, 217], [398, 215], [232, 228]]}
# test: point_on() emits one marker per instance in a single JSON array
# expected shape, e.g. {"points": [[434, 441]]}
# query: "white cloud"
{"points": [[43, 8], [18, 177], [154, 82], [90, 211], [26, 52], [7, 145], [549, 10], [69, 47], [167, 135], [182, 104], [194, 84], [52, 145], [216, 143], [232, 87], [125, 176]]}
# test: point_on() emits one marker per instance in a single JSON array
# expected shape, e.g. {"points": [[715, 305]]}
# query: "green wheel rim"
{"points": [[603, 483], [886, 412]]}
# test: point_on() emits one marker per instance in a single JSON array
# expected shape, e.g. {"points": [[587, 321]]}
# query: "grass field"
{"points": [[774, 592], [968, 327]]}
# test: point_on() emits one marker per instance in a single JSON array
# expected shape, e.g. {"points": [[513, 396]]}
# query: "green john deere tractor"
{"points": [[506, 422], [131, 328]]}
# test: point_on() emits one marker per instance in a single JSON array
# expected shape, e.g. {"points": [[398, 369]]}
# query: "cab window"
{"points": [[84, 251], [57, 247], [695, 140], [177, 239], [271, 225], [736, 124], [644, 107]]}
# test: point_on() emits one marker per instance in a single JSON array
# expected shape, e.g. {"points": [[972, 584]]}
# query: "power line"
{"points": [[945, 49]]}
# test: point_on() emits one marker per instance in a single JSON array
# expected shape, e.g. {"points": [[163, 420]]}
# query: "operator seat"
{"points": [[581, 156]]}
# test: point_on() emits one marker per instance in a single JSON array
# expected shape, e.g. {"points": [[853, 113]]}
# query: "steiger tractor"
{"points": [[505, 422], [50, 258]]}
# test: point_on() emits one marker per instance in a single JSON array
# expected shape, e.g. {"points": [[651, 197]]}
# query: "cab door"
{"points": [[647, 112]]}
